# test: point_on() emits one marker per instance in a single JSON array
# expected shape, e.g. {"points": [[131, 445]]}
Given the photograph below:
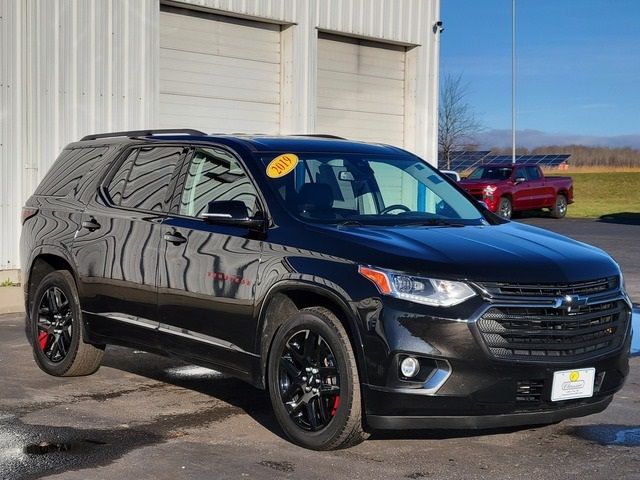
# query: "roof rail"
{"points": [[320, 135], [142, 133]]}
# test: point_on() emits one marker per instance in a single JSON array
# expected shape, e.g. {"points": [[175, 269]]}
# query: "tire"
{"points": [[57, 329], [328, 417], [505, 208], [559, 209]]}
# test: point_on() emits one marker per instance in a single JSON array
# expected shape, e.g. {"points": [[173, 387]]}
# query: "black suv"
{"points": [[357, 284]]}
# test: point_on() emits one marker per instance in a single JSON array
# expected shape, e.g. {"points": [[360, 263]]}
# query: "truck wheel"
{"points": [[560, 208], [313, 382], [57, 329], [505, 210]]}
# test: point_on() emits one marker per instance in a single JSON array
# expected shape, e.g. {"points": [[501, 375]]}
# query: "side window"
{"points": [[533, 173], [142, 180], [116, 186], [520, 173], [68, 170], [215, 175]]}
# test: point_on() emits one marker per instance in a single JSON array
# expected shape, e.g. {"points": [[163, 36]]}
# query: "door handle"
{"points": [[91, 225], [174, 238]]}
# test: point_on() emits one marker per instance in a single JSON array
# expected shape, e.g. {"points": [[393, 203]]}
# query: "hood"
{"points": [[510, 252]]}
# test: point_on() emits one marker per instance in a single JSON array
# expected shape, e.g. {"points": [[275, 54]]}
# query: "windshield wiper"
{"points": [[350, 223], [432, 222]]}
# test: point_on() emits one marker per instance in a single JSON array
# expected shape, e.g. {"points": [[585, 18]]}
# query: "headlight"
{"points": [[428, 291]]}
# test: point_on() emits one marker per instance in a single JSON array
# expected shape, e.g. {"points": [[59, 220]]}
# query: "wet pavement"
{"points": [[144, 416]]}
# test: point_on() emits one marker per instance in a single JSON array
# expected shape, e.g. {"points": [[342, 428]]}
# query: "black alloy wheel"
{"points": [[56, 328], [55, 324], [314, 382], [309, 380]]}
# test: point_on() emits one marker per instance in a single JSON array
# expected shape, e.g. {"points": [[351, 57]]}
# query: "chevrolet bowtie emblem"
{"points": [[570, 302]]}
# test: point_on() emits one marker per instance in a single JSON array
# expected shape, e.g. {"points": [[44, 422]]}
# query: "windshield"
{"points": [[353, 189], [490, 173]]}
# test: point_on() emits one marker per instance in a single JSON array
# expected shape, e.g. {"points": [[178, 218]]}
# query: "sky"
{"points": [[577, 64]]}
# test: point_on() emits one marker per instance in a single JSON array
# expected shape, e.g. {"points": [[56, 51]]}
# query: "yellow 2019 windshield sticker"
{"points": [[282, 165]]}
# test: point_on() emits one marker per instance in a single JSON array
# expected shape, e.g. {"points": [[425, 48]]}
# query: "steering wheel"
{"points": [[391, 208]]}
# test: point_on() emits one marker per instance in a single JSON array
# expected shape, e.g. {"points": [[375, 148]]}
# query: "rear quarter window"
{"points": [[67, 171], [142, 179]]}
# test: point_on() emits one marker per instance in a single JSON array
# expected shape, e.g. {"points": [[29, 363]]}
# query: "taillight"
{"points": [[27, 213]]}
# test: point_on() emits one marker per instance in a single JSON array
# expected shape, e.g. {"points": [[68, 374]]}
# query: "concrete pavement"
{"points": [[11, 300]]}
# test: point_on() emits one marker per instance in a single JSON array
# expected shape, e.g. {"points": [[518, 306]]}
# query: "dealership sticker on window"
{"points": [[282, 165]]}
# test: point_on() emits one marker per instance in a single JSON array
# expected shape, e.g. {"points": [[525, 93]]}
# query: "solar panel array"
{"points": [[465, 160]]}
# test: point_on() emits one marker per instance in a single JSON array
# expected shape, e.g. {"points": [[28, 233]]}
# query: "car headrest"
{"points": [[315, 196]]}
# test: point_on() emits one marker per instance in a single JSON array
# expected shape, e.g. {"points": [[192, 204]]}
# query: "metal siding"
{"points": [[11, 152], [276, 10], [68, 69], [392, 20], [361, 90], [219, 75]]}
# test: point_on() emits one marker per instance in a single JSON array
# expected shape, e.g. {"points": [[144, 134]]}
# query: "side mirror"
{"points": [[520, 180], [233, 213]]}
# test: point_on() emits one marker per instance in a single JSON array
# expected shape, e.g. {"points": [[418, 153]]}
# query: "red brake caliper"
{"points": [[42, 339], [336, 403]]}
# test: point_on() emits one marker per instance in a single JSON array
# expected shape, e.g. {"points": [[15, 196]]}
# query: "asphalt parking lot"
{"points": [[144, 416]]}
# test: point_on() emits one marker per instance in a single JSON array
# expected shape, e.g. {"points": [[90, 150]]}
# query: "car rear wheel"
{"points": [[57, 330], [560, 208], [313, 382], [505, 209]]}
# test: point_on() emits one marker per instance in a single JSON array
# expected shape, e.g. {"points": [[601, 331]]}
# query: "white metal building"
{"points": [[363, 69]]}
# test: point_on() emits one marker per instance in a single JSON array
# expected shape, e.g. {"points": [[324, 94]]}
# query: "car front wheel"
{"points": [[560, 208], [313, 381], [505, 209]]}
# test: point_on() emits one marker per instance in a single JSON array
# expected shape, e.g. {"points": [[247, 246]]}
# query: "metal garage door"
{"points": [[361, 89], [219, 74]]}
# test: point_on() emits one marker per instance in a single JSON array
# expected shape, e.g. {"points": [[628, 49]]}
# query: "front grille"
{"points": [[539, 333], [553, 290]]}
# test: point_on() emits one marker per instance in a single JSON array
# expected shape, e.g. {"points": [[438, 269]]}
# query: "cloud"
{"points": [[535, 138]]}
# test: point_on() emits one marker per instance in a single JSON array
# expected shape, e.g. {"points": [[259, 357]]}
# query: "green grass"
{"points": [[7, 283], [605, 193]]}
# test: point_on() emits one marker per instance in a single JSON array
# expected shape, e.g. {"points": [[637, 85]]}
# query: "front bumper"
{"points": [[479, 390], [476, 422]]}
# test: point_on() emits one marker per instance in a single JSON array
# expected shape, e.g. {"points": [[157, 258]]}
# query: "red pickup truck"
{"points": [[509, 188]]}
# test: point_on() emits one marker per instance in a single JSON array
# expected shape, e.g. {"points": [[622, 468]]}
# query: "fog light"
{"points": [[409, 367]]}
